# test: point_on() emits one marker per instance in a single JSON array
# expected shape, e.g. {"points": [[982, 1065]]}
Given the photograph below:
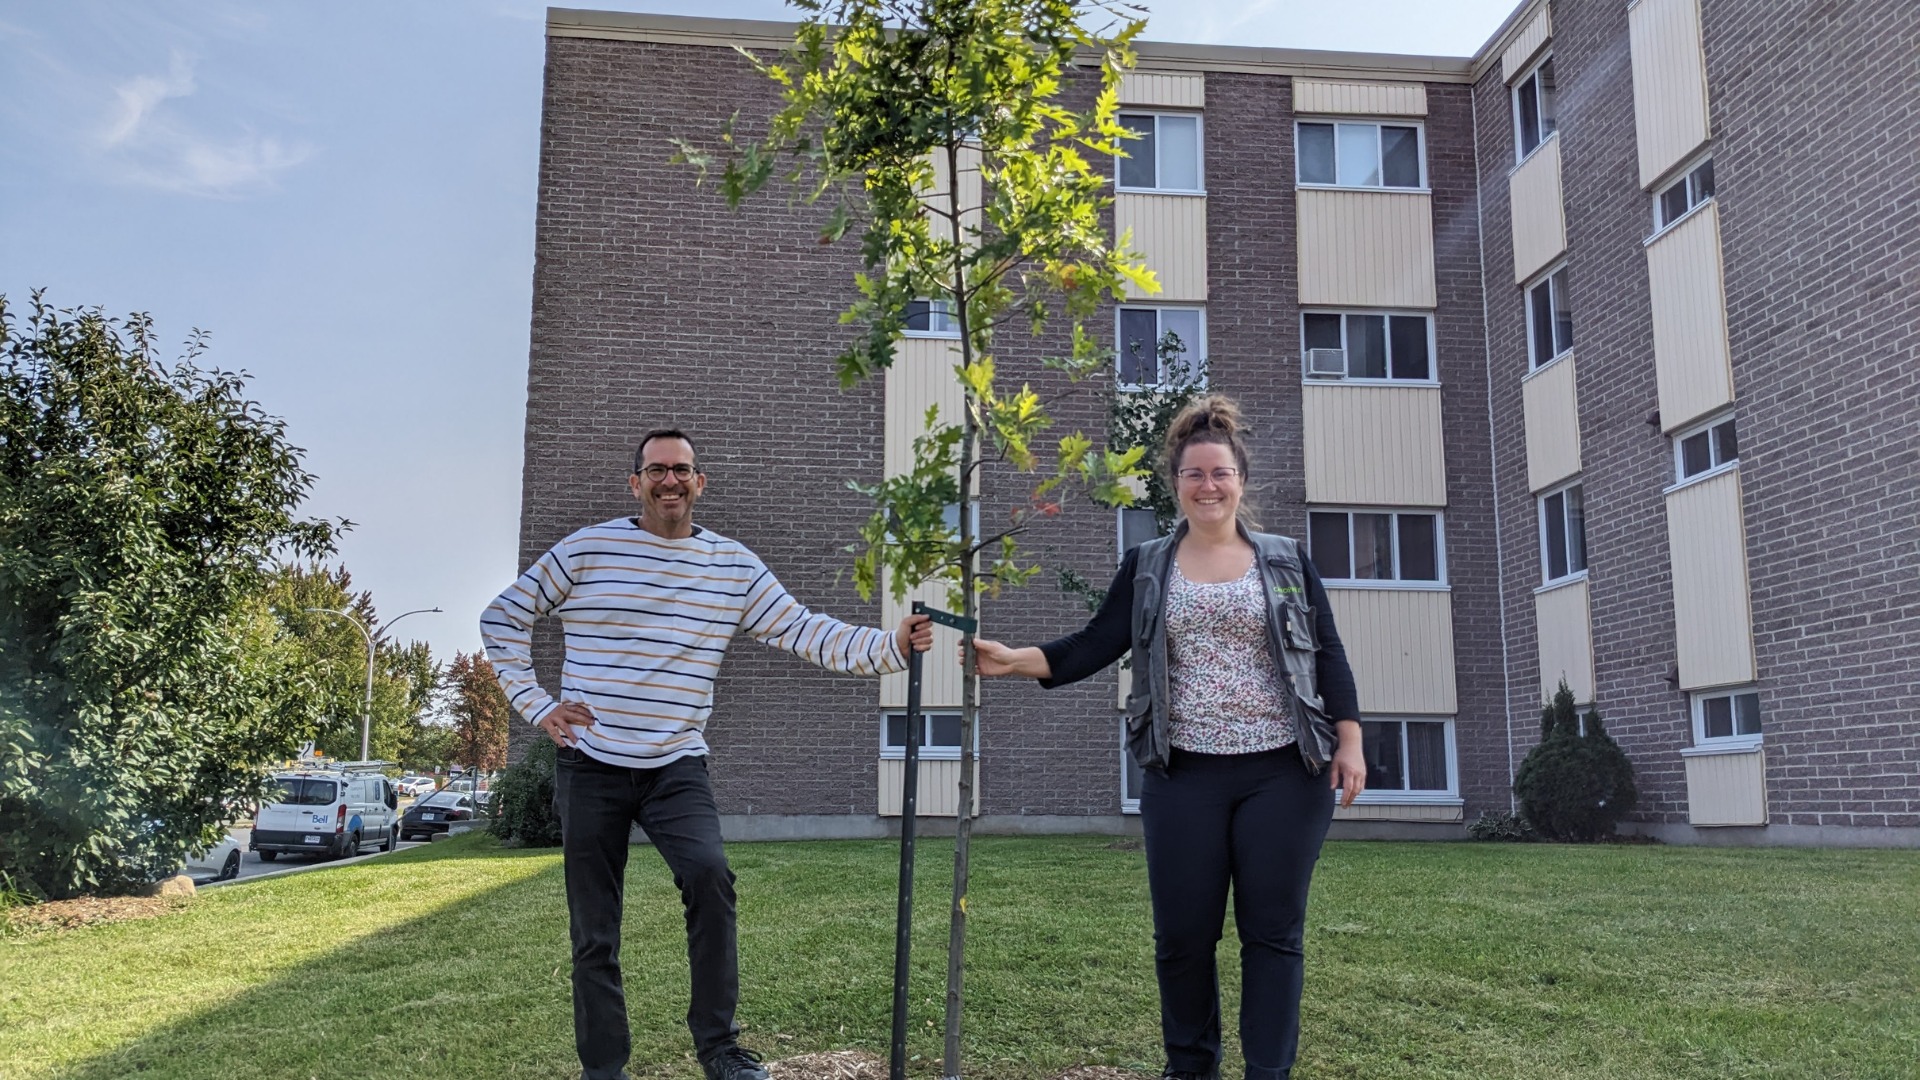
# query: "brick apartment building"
{"points": [[1498, 321]]}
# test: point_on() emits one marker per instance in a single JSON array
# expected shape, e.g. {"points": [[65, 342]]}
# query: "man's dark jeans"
{"points": [[1257, 821], [598, 805]]}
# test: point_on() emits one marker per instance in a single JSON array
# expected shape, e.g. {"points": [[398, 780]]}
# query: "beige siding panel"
{"points": [[1366, 248], [970, 192], [921, 375], [939, 793], [1328, 98], [1527, 45], [1170, 233], [1374, 445], [1400, 643], [1712, 614], [1728, 788], [1163, 89], [1402, 812], [1552, 410], [1689, 302], [1566, 640], [1539, 217], [1669, 84]]}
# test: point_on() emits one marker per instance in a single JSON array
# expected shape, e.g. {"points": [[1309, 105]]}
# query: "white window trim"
{"points": [[1518, 165], [1543, 367], [1526, 302], [1706, 427], [938, 335], [927, 753], [1433, 343], [1696, 708], [1439, 549], [1129, 800], [1425, 186], [1120, 342], [1424, 796], [1200, 149], [1513, 99], [1561, 583], [1540, 524], [1681, 175]]}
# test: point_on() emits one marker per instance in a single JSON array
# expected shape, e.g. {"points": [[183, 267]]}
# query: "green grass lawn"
{"points": [[1424, 960]]}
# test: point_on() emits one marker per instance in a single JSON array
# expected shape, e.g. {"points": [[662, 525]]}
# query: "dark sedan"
{"points": [[434, 813]]}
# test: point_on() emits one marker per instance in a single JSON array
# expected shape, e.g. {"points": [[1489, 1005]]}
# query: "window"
{"points": [[1137, 525], [1160, 346], [1407, 757], [1166, 156], [1352, 546], [1710, 446], [1673, 201], [304, 791], [1534, 115], [1132, 776], [1549, 318], [939, 737], [1563, 534], [1727, 716], [1359, 155], [931, 318], [1354, 345]]}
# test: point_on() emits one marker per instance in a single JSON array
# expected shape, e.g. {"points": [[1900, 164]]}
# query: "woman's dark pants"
{"points": [[1256, 821], [598, 805]]}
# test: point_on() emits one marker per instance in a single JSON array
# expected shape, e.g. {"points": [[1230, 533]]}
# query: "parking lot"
{"points": [[251, 865]]}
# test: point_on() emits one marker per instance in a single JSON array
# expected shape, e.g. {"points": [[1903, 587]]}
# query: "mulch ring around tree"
{"points": [[861, 1065], [90, 911]]}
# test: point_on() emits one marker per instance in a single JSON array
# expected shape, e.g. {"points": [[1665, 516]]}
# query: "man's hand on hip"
{"points": [[559, 723], [915, 634]]}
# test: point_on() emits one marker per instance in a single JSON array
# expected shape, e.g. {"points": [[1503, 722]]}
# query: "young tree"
{"points": [[478, 707], [143, 679], [887, 105]]}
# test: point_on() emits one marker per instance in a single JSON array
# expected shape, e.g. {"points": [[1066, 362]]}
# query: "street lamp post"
{"points": [[366, 711]]}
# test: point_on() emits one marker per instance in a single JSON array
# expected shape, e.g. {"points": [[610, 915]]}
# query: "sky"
{"points": [[342, 195]]}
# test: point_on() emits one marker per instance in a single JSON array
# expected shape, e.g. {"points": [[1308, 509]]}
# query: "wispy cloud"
{"points": [[150, 140]]}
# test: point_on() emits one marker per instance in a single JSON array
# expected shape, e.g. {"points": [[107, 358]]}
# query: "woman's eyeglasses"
{"points": [[1195, 476]]}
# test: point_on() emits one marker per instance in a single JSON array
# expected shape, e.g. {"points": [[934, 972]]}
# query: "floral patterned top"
{"points": [[1227, 696]]}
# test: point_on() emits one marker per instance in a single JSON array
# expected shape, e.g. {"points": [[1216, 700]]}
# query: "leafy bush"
{"points": [[143, 678], [1504, 826], [1577, 784], [523, 800]]}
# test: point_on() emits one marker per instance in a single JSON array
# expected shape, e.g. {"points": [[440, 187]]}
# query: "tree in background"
{"points": [[471, 697], [888, 106], [144, 681]]}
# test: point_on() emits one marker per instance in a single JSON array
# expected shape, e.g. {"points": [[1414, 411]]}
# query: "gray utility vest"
{"points": [[1291, 637]]}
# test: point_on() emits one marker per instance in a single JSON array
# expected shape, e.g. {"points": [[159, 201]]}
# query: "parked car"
{"points": [[435, 812], [220, 862], [411, 786], [326, 812]]}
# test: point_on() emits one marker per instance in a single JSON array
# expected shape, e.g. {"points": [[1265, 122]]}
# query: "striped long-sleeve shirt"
{"points": [[647, 620]]}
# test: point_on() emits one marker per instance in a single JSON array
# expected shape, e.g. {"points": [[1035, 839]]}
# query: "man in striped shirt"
{"points": [[649, 605]]}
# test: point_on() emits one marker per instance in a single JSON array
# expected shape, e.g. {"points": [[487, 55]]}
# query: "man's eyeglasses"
{"points": [[1195, 476], [681, 472]]}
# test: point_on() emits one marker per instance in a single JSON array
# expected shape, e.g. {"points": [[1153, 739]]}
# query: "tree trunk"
{"points": [[969, 689]]}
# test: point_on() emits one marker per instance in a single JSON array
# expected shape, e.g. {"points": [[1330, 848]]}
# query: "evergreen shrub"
{"points": [[523, 800], [1577, 784]]}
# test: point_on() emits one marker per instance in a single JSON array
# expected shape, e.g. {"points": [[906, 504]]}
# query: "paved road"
{"points": [[251, 864]]}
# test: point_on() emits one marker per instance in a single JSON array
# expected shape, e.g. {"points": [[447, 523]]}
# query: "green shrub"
{"points": [[1577, 783], [523, 799], [1505, 826]]}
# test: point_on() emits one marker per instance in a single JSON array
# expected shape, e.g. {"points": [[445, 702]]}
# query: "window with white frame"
{"points": [[1549, 318], [1703, 449], [1412, 756], [939, 735], [1563, 534], [1136, 525], [931, 318], [1376, 545], [1721, 716], [1534, 113], [1166, 155], [1161, 345], [1132, 776], [1672, 202], [1364, 345], [1356, 154]]}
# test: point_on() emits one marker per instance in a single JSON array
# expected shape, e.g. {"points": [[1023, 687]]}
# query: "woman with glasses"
{"points": [[1244, 716]]}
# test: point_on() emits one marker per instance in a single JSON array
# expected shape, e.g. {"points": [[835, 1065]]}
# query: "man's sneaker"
{"points": [[734, 1063]]}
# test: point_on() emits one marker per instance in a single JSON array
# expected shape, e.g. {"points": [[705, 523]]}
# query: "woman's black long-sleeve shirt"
{"points": [[1109, 634]]}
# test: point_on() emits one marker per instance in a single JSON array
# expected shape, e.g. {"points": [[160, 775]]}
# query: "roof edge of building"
{"points": [[1154, 55]]}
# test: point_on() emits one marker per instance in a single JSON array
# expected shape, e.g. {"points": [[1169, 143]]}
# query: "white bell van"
{"points": [[331, 812]]}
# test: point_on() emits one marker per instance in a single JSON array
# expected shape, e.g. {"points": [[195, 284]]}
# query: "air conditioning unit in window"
{"points": [[1326, 363]]}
